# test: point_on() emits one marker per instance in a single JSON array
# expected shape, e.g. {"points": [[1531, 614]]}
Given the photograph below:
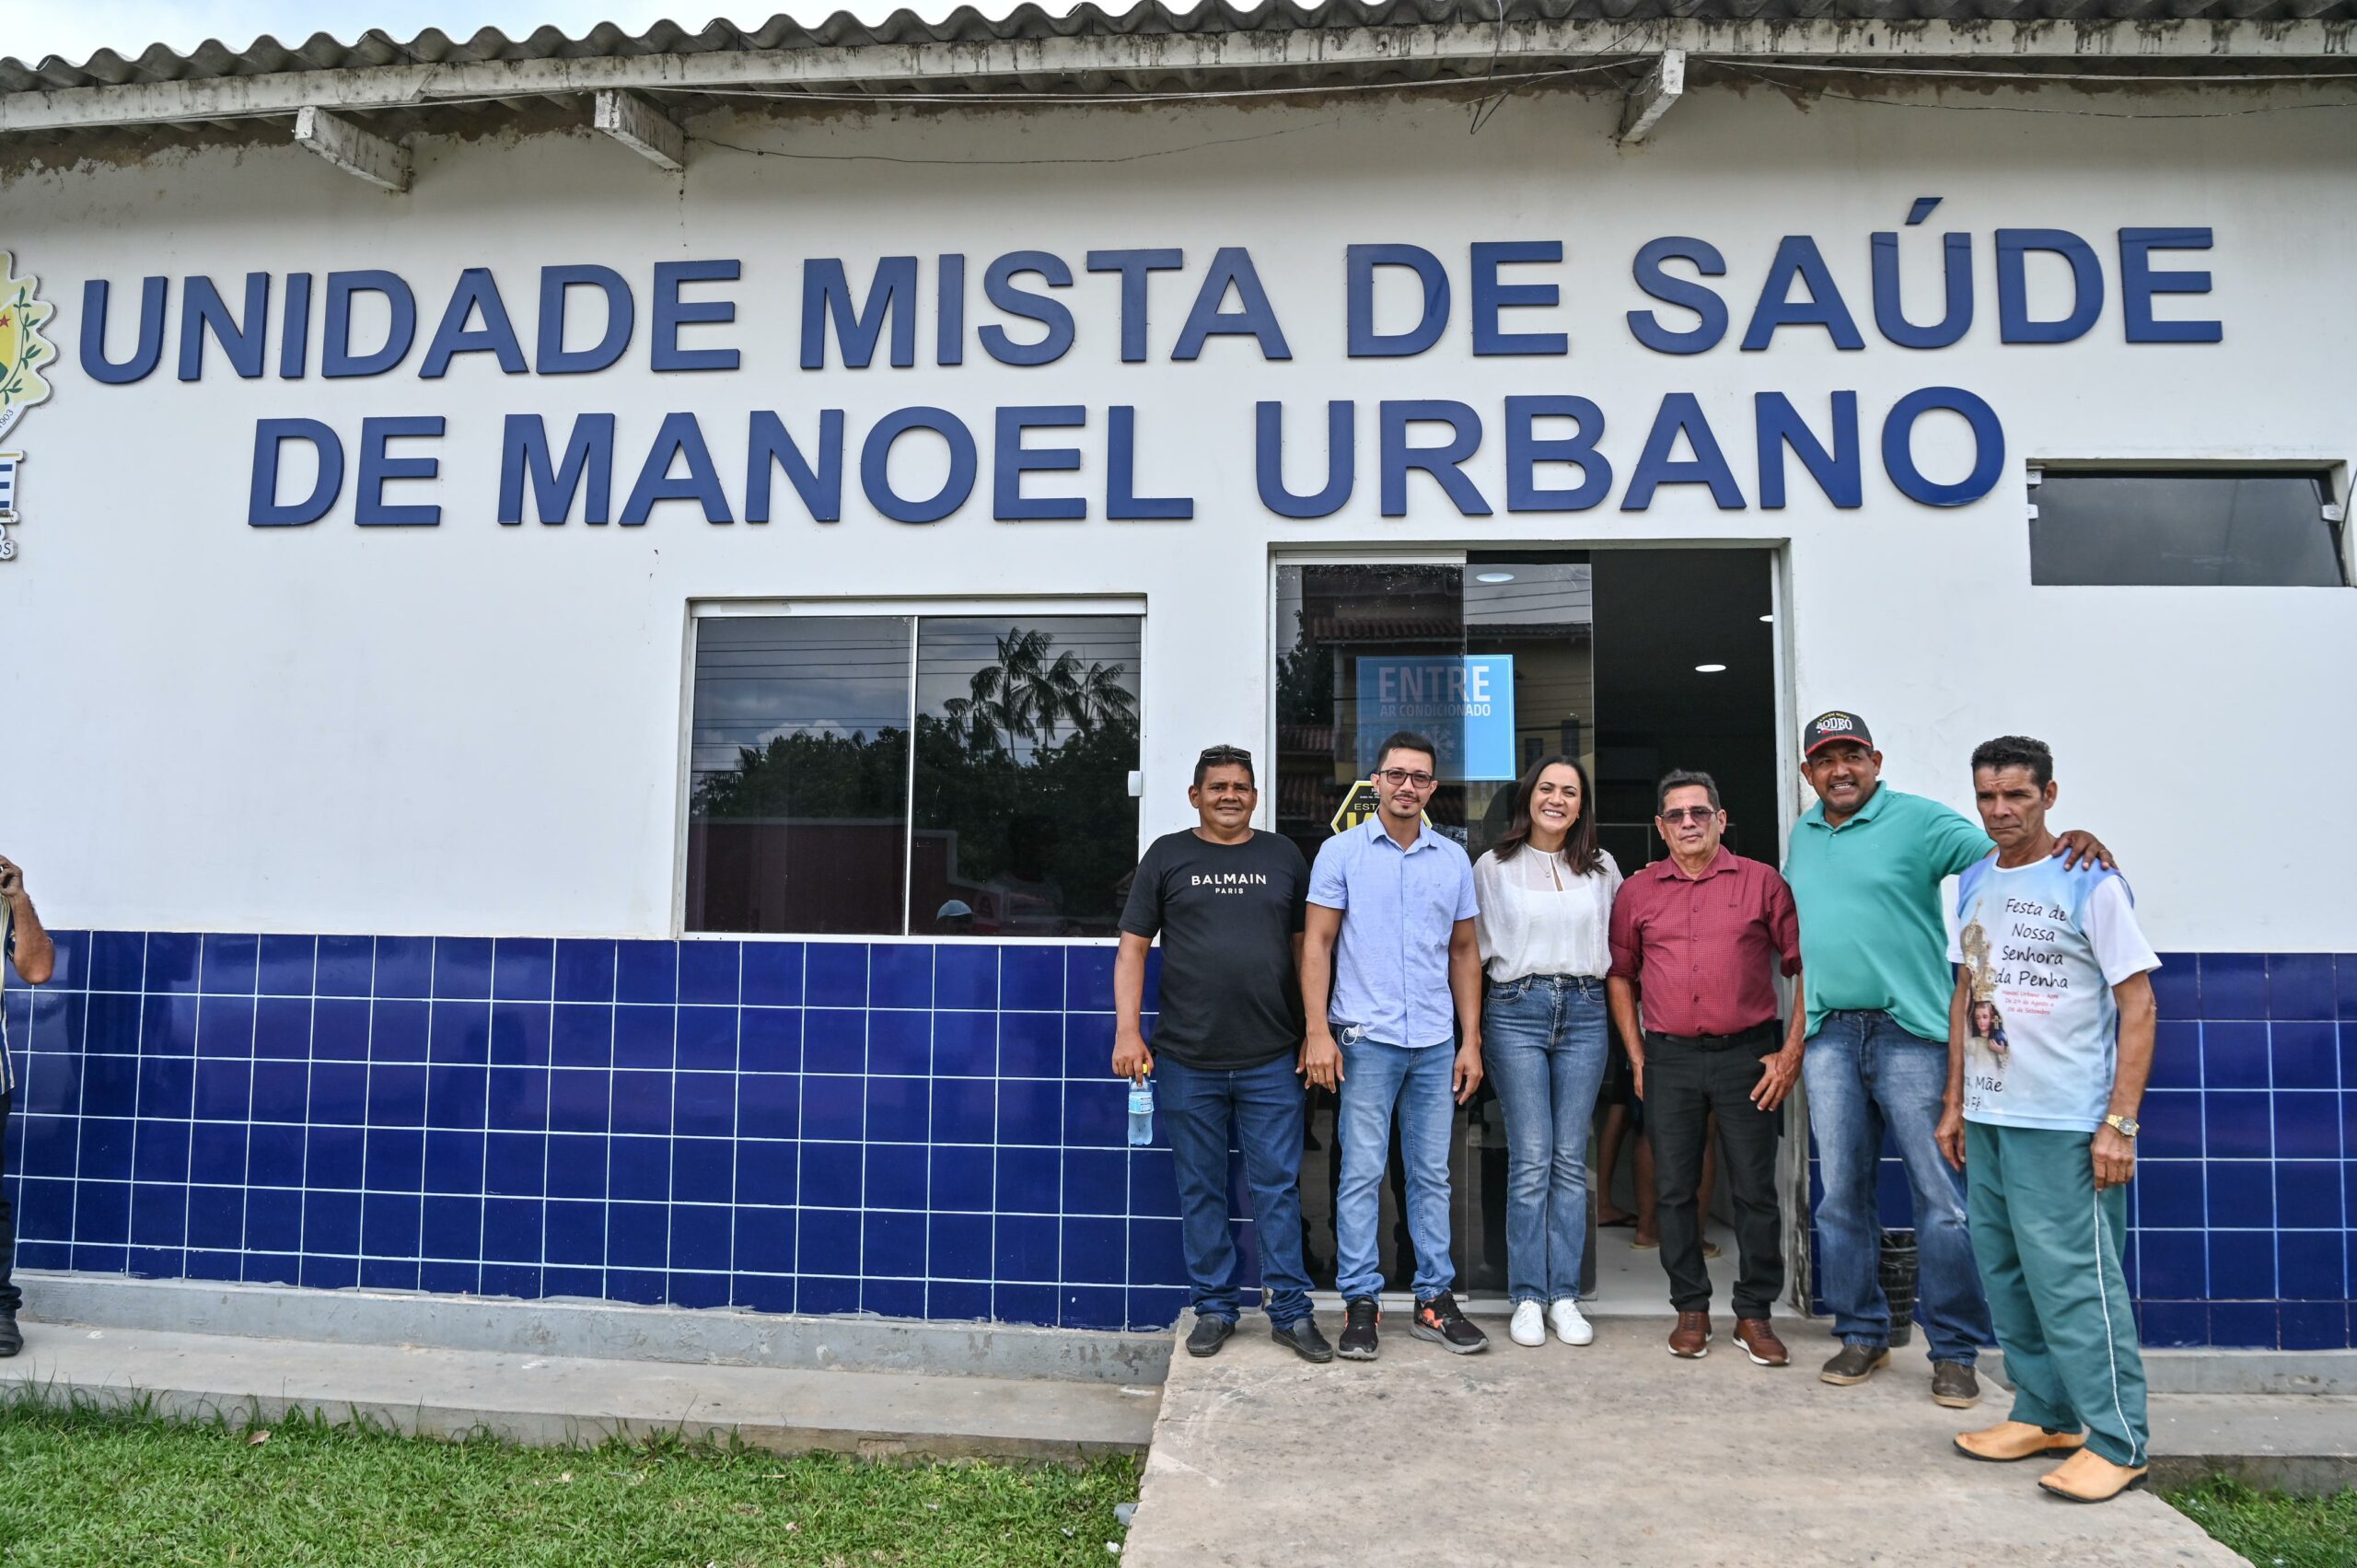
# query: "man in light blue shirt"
{"points": [[26, 946], [1390, 974]]}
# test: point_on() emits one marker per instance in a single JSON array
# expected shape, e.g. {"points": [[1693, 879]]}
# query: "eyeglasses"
{"points": [[1694, 814], [1400, 778]]}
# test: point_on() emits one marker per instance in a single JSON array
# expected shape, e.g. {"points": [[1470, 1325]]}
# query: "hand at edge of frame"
{"points": [[2115, 1159]]}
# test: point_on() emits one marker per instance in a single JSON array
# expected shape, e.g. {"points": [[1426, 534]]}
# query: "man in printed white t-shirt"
{"points": [[2050, 1043]]}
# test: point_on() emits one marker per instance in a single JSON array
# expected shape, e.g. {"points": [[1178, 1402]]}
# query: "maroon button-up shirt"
{"points": [[1704, 950]]}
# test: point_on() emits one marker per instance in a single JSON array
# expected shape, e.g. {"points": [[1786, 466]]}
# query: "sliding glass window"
{"points": [[809, 813]]}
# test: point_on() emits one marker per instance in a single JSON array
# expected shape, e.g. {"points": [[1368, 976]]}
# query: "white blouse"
{"points": [[1538, 916]]}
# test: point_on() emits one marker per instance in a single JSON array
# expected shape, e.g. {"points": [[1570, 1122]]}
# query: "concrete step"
{"points": [[2300, 1443], [564, 1327], [549, 1401]]}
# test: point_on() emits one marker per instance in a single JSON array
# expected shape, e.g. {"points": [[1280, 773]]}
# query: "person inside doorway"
{"points": [[25, 944], [1227, 1055], [1865, 863], [1697, 942], [1545, 923], [2046, 1137], [1390, 971]]}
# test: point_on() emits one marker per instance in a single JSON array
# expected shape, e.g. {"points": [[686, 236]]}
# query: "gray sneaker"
{"points": [[1855, 1364], [1954, 1385]]}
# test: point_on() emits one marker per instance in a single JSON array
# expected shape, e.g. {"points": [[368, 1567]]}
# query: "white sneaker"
{"points": [[1528, 1328], [1570, 1326]]}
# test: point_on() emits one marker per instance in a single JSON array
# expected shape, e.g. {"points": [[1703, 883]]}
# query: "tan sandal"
{"points": [[2087, 1477], [2011, 1440]]}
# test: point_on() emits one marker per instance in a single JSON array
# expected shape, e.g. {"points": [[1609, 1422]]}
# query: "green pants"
{"points": [[2048, 1246]]}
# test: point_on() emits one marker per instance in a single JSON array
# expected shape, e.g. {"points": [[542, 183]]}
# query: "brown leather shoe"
{"points": [[1759, 1340], [2087, 1477], [1691, 1338], [2010, 1440]]}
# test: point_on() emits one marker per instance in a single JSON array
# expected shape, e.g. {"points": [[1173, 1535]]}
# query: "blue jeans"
{"points": [[1266, 1105], [1543, 1044], [1376, 1078], [1864, 1074]]}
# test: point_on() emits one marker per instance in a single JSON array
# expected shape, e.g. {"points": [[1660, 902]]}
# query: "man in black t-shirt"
{"points": [[1227, 903]]}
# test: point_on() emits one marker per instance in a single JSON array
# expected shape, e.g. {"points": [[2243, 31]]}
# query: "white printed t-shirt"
{"points": [[2043, 945]]}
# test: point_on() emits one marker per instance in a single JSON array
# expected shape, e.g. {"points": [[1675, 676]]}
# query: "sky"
{"points": [[30, 29]]}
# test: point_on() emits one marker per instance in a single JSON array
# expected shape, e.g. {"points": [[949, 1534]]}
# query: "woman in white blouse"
{"points": [[1545, 892]]}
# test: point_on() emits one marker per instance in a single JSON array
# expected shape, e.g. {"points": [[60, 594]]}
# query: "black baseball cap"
{"points": [[1836, 726]]}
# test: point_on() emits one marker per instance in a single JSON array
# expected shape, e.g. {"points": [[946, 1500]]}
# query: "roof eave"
{"points": [[1098, 62]]}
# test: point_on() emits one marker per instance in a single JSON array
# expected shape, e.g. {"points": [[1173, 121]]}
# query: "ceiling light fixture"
{"points": [[1493, 577], [1710, 669]]}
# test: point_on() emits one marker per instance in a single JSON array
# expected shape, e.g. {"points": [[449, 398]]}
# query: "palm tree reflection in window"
{"points": [[1021, 809], [1023, 694], [1019, 817]]}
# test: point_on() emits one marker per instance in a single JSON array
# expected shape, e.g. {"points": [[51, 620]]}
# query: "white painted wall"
{"points": [[477, 729]]}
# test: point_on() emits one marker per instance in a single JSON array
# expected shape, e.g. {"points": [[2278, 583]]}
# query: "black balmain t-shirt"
{"points": [[1227, 915]]}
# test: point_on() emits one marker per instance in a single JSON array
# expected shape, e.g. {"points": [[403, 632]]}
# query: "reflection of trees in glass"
{"points": [[1046, 832], [812, 774], [1049, 827], [1026, 695], [1304, 685]]}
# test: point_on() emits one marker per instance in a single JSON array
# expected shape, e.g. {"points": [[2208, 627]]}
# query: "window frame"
{"points": [[2332, 474], [916, 608]]}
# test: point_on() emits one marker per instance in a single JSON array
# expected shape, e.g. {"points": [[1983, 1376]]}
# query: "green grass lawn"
{"points": [[83, 1488], [2272, 1529]]}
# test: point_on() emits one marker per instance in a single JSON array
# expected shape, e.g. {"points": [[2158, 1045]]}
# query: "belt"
{"points": [[1765, 1031]]}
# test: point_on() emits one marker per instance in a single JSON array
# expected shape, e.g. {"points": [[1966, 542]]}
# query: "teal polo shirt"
{"points": [[1873, 937]]}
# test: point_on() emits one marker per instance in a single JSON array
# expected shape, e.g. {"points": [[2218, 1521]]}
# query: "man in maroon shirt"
{"points": [[1701, 935]]}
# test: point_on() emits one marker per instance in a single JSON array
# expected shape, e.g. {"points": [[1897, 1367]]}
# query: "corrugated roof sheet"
{"points": [[322, 51]]}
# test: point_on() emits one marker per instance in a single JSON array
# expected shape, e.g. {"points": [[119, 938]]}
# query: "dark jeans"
{"points": [[1266, 1106], [1684, 1083], [10, 1297]]}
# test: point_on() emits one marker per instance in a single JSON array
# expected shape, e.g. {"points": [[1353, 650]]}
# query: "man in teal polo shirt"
{"points": [[1865, 868]]}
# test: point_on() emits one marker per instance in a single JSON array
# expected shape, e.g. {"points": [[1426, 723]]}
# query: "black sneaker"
{"points": [[1359, 1318], [1209, 1334], [1954, 1385], [12, 1339], [1439, 1321], [1304, 1340]]}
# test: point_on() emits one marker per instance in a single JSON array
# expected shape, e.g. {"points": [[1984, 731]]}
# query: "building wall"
{"points": [[467, 740]]}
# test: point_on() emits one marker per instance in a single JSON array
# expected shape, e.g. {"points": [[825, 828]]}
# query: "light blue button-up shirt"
{"points": [[1399, 907]]}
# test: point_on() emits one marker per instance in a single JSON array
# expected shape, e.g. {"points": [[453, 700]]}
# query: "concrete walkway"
{"points": [[1612, 1454], [548, 1399]]}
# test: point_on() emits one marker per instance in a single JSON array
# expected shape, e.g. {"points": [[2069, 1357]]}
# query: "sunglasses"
{"points": [[1217, 754], [1695, 813]]}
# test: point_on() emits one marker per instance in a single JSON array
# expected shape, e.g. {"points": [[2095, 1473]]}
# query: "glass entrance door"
{"points": [[1502, 659]]}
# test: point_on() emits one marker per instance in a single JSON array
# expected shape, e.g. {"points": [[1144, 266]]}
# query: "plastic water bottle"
{"points": [[1142, 1112]]}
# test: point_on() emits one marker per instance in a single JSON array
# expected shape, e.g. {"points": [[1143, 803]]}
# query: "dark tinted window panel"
{"points": [[2183, 531], [1027, 734], [799, 775]]}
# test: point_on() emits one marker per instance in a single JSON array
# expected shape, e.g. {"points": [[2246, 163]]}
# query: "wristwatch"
{"points": [[2126, 1126]]}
